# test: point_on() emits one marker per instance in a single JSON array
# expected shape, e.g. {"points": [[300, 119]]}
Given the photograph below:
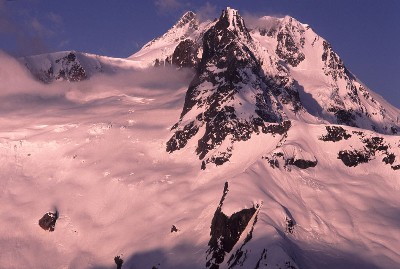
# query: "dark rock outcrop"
{"points": [[185, 54], [67, 67], [174, 229], [276, 158], [300, 163], [72, 69], [262, 260], [396, 167], [373, 146], [334, 66], [226, 231], [48, 221], [335, 134], [240, 256], [118, 261], [290, 224], [353, 157], [287, 47]]}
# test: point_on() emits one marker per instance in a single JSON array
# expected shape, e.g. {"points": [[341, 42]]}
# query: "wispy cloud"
{"points": [[40, 29], [168, 6], [64, 43], [30, 32], [207, 11], [55, 18], [254, 20], [21, 93]]}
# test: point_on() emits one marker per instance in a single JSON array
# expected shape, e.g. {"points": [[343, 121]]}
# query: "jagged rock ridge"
{"points": [[229, 96]]}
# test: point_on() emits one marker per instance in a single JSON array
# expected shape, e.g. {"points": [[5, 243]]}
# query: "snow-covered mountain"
{"points": [[220, 145], [292, 56]]}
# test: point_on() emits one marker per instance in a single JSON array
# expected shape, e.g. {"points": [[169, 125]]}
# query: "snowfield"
{"points": [[95, 151]]}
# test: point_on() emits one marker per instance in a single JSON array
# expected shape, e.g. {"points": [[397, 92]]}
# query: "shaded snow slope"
{"points": [[94, 151]]}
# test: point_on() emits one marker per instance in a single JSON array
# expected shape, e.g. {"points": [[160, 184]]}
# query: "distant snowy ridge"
{"points": [[73, 66]]}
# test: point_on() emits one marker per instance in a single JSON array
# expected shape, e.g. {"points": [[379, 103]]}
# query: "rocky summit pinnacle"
{"points": [[231, 19]]}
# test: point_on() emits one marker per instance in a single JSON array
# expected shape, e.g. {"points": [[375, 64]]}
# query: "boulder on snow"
{"points": [[290, 223], [174, 229], [48, 221]]}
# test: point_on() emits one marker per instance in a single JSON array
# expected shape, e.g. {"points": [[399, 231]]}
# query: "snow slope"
{"points": [[100, 161], [160, 50]]}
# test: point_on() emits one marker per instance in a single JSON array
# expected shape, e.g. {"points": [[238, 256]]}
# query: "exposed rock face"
{"points": [[396, 167], [48, 221], [333, 64], [373, 147], [225, 232], [335, 134], [118, 261], [239, 257], [174, 229], [290, 224], [288, 48], [354, 157], [229, 95], [350, 102], [72, 69], [263, 259], [343, 99], [300, 163], [185, 54], [297, 157]]}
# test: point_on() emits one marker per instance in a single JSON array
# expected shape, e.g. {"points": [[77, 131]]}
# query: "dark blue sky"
{"points": [[365, 33]]}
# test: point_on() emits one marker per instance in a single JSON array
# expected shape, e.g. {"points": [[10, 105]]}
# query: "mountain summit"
{"points": [[260, 78], [292, 56]]}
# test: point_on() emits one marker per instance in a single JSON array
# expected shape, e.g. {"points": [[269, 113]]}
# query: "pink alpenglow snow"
{"points": [[252, 140]]}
